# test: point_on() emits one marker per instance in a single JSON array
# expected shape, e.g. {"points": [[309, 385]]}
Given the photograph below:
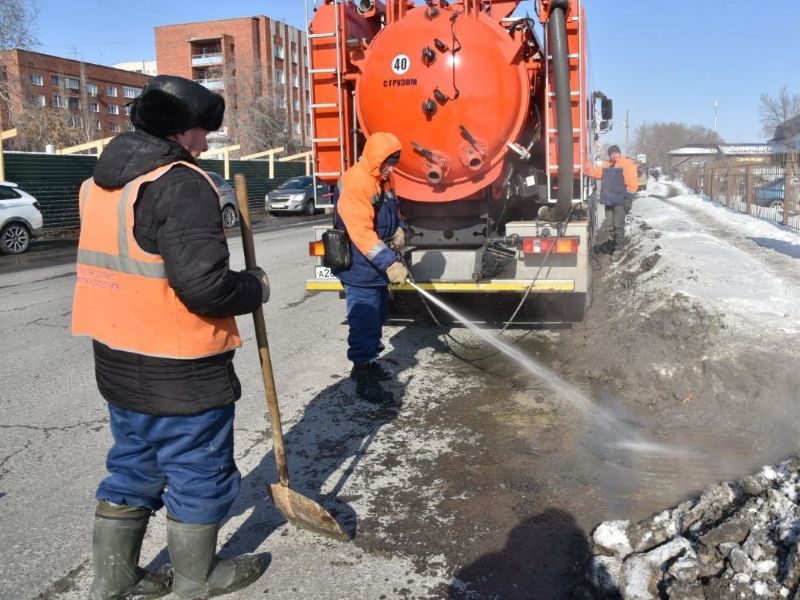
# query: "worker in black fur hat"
{"points": [[156, 295]]}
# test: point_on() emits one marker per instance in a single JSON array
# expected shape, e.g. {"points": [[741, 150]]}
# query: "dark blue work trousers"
{"points": [[184, 463], [367, 309]]}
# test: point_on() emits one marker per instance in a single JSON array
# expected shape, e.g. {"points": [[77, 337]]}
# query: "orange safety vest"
{"points": [[122, 296]]}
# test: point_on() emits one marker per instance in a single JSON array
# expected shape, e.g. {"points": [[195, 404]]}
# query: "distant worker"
{"points": [[368, 209], [654, 174], [618, 181], [156, 294]]}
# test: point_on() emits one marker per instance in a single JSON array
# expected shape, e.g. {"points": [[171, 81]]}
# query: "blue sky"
{"points": [[662, 60]]}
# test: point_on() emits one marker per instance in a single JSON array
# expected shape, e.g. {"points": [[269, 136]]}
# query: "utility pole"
{"points": [[627, 126], [716, 104]]}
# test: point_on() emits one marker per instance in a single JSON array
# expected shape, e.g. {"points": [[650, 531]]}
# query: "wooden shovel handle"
{"points": [[261, 334]]}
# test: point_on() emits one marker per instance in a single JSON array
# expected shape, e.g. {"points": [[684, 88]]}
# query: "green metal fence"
{"points": [[55, 180]]}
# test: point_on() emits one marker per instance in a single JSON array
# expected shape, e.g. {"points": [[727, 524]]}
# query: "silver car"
{"points": [[295, 195], [227, 200]]}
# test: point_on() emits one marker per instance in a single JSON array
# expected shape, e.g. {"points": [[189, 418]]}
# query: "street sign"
{"points": [[642, 158]]}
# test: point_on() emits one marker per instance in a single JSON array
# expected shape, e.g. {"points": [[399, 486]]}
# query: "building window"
{"points": [[37, 79], [296, 105], [58, 101], [281, 102], [94, 106], [294, 57], [111, 91], [129, 126], [115, 127], [308, 128], [297, 127], [296, 80], [113, 109], [278, 51], [91, 89], [40, 100], [280, 77], [127, 109], [73, 103], [73, 84], [55, 80], [130, 92], [74, 121], [99, 126]]}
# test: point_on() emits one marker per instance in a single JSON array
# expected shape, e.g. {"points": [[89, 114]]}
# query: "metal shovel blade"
{"points": [[305, 513]]}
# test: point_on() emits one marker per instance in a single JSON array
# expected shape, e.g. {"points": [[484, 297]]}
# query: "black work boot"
{"points": [[198, 571], [368, 383], [116, 544], [378, 370]]}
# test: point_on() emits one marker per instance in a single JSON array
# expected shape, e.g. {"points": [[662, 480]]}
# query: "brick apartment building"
{"points": [[243, 58], [88, 92]]}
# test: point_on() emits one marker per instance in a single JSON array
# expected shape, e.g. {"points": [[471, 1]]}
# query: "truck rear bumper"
{"points": [[459, 287]]}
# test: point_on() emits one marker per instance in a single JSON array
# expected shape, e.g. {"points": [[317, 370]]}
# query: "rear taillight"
{"points": [[554, 245], [36, 206], [316, 248]]}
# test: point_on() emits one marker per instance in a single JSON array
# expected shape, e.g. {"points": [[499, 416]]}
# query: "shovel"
{"points": [[298, 509]]}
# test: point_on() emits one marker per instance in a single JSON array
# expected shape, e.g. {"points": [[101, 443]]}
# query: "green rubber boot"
{"points": [[199, 572], [117, 542]]}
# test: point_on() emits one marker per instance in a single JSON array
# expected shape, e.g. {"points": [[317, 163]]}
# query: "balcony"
{"points": [[206, 58], [212, 84]]}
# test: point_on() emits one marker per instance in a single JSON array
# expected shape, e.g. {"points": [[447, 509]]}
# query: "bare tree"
{"points": [[255, 120], [774, 111], [38, 126], [657, 140], [17, 23]]}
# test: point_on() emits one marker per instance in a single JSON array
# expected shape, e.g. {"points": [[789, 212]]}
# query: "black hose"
{"points": [[557, 29]]}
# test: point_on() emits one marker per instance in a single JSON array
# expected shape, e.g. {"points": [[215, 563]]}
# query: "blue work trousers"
{"points": [[367, 309], [183, 462]]}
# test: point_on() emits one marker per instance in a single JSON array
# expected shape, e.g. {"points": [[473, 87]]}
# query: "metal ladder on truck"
{"points": [[575, 60], [318, 107]]}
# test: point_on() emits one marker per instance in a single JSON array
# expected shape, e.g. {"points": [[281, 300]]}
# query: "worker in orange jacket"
{"points": [[368, 209], [155, 293], [618, 183]]}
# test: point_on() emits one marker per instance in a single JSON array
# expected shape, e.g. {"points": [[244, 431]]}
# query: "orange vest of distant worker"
{"points": [[122, 296]]}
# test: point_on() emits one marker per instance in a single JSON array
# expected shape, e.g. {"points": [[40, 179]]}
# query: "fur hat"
{"points": [[170, 105]]}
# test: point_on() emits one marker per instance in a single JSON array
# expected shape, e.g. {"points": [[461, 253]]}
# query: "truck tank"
{"points": [[496, 125]]}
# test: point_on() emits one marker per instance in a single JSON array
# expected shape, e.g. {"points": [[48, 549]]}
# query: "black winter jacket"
{"points": [[178, 217]]}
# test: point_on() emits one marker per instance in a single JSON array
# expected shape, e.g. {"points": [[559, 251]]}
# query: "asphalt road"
{"points": [[478, 486], [51, 250]]}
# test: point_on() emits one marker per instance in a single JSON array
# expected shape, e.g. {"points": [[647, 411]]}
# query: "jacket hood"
{"points": [[133, 154], [377, 149]]}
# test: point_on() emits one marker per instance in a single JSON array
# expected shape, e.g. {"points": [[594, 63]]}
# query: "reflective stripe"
{"points": [[122, 232], [121, 264], [84, 194], [375, 250]]}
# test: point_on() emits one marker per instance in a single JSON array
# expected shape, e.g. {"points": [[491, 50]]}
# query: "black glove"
{"points": [[264, 280]]}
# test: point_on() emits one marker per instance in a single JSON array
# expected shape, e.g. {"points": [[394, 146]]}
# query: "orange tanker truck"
{"points": [[496, 120]]}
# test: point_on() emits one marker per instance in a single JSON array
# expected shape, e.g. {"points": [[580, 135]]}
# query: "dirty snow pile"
{"points": [[739, 539]]}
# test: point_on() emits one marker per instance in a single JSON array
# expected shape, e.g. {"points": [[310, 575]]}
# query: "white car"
{"points": [[20, 218], [227, 199]]}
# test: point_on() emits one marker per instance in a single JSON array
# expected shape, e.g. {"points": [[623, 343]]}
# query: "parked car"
{"points": [[227, 200], [295, 195], [770, 194], [20, 218]]}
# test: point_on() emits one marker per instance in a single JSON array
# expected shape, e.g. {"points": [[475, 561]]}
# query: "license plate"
{"points": [[323, 273]]}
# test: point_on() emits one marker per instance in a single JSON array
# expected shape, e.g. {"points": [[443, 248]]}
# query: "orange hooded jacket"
{"points": [[359, 192]]}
